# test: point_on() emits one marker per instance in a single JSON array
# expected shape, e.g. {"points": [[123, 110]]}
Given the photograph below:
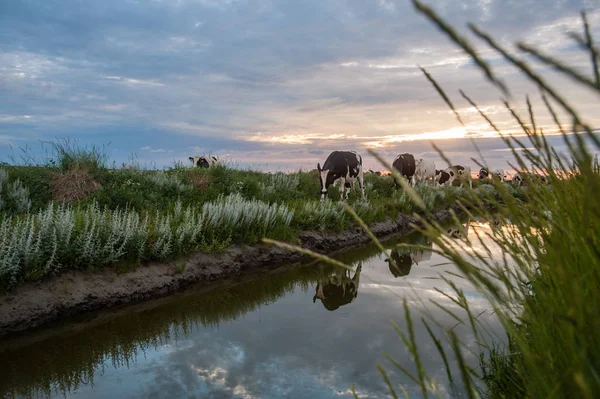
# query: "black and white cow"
{"points": [[484, 173], [496, 174], [518, 179], [522, 178], [441, 177], [341, 167], [499, 174], [449, 175], [405, 164], [204, 161], [339, 289]]}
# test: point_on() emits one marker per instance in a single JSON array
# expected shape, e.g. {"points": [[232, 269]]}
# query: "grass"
{"points": [[72, 211], [61, 237], [544, 288]]}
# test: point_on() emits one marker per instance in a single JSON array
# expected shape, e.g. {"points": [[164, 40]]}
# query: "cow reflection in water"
{"points": [[460, 232], [404, 258], [339, 289]]}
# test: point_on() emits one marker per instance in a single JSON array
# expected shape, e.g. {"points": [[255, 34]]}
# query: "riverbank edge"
{"points": [[73, 292]]}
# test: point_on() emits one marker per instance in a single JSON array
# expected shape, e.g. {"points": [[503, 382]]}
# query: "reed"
{"points": [[544, 287]]}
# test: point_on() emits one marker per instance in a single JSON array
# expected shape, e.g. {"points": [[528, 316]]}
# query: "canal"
{"points": [[298, 331]]}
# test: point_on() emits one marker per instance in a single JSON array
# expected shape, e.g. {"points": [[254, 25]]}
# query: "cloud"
{"points": [[154, 150], [231, 72]]}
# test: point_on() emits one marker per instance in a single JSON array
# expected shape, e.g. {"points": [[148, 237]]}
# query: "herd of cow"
{"points": [[344, 168]]}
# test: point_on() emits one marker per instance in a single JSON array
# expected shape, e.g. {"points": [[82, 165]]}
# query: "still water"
{"points": [[300, 331]]}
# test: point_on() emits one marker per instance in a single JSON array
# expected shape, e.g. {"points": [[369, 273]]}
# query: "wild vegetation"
{"points": [[72, 211], [544, 289]]}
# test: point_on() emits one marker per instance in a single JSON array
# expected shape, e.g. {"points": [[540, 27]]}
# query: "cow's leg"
{"points": [[361, 183], [342, 189], [349, 185]]}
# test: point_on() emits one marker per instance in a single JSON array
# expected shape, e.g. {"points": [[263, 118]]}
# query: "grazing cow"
{"points": [[373, 172], [405, 261], [204, 161], [424, 170], [405, 165], [344, 166], [449, 175], [498, 174], [518, 179], [441, 177], [339, 289], [483, 173], [521, 178]]}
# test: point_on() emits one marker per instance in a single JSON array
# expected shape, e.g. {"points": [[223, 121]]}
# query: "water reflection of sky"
{"points": [[293, 347]]}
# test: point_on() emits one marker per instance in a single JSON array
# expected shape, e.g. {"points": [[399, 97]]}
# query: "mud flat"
{"points": [[73, 292]]}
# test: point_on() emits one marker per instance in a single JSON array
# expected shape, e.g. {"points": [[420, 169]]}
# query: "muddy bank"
{"points": [[73, 292]]}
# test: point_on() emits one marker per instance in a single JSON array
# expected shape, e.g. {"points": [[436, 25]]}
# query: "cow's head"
{"points": [[326, 179], [483, 173]]}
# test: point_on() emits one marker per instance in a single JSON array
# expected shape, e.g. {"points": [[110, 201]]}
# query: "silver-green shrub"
{"points": [[487, 191], [321, 215], [279, 185], [66, 237], [234, 216], [14, 197], [403, 202], [170, 182]]}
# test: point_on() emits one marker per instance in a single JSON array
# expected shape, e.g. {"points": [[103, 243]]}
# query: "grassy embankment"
{"points": [[74, 212], [544, 289]]}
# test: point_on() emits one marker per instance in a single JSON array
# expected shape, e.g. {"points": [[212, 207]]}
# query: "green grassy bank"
{"points": [[76, 212]]}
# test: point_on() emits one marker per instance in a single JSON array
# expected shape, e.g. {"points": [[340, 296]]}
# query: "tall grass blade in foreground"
{"points": [[544, 289]]}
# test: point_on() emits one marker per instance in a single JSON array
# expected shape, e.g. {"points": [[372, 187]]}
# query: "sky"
{"points": [[270, 84]]}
